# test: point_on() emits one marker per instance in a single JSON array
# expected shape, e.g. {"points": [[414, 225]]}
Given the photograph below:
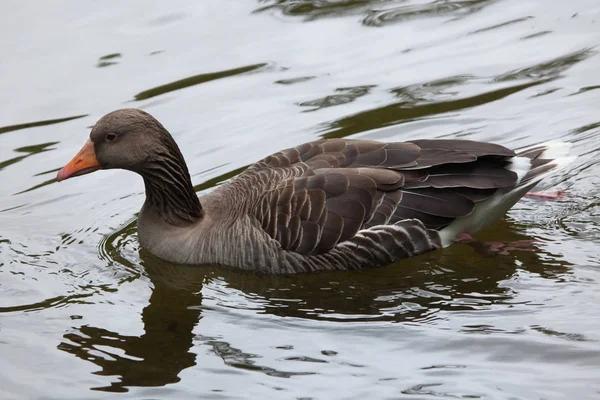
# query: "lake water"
{"points": [[84, 314]]}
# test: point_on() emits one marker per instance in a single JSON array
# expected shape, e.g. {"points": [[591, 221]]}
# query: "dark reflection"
{"points": [[52, 171], [314, 9], [402, 111], [158, 356], [433, 91], [194, 80], [413, 290], [502, 25], [377, 12], [292, 81], [39, 185], [44, 304], [426, 99], [586, 89], [587, 129], [153, 359], [437, 8], [237, 358], [26, 125], [342, 96], [27, 151], [536, 35], [108, 60], [550, 69]]}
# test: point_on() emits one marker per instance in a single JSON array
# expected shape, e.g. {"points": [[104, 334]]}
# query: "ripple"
{"points": [[342, 96], [448, 366], [576, 337], [29, 151], [427, 389], [195, 80], [39, 185], [292, 81], [108, 60], [586, 89], [437, 8], [442, 96], [536, 35], [58, 301], [422, 290], [236, 358], [10, 128], [119, 250], [314, 9], [550, 69], [167, 19], [433, 91], [402, 111], [305, 359], [502, 25]]}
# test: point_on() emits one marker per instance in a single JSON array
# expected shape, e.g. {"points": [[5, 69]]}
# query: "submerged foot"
{"points": [[492, 249], [555, 195]]}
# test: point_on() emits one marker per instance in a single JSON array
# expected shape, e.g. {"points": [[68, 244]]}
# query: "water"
{"points": [[84, 313]]}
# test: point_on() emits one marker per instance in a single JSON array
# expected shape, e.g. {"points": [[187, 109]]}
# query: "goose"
{"points": [[330, 204]]}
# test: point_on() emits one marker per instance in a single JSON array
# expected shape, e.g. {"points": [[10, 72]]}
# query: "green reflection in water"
{"points": [[26, 125], [342, 96], [419, 101], [437, 8], [398, 112], [108, 60], [314, 9], [376, 12], [195, 80], [29, 151]]}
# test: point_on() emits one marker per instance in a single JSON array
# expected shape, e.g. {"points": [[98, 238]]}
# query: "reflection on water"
{"points": [[377, 12], [108, 60], [82, 307], [437, 8], [5, 129], [551, 69], [153, 359], [29, 151], [424, 100], [417, 290], [342, 96], [194, 80], [314, 9], [398, 112]]}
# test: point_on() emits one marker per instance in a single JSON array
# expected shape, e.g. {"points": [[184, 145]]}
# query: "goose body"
{"points": [[331, 204]]}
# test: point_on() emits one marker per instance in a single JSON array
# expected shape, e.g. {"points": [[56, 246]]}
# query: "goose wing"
{"points": [[322, 193]]}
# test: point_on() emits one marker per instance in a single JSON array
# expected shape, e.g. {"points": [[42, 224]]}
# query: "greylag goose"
{"points": [[331, 204]]}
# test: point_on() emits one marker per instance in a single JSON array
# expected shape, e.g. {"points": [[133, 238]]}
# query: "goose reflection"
{"points": [[416, 290], [153, 359]]}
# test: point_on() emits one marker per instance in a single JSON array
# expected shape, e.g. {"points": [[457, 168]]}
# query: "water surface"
{"points": [[85, 313]]}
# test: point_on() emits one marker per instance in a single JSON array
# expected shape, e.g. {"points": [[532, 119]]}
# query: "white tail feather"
{"points": [[496, 206]]}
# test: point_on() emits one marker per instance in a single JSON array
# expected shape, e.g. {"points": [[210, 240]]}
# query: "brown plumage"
{"points": [[324, 205]]}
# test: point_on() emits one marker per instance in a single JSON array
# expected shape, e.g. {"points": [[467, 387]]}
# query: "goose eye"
{"points": [[111, 136]]}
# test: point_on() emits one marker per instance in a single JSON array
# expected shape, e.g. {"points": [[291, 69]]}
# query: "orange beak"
{"points": [[83, 163]]}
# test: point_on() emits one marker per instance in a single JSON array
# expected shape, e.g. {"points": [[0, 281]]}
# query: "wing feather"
{"points": [[322, 193]]}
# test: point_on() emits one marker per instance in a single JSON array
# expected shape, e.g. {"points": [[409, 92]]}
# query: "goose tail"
{"points": [[545, 158], [531, 164]]}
